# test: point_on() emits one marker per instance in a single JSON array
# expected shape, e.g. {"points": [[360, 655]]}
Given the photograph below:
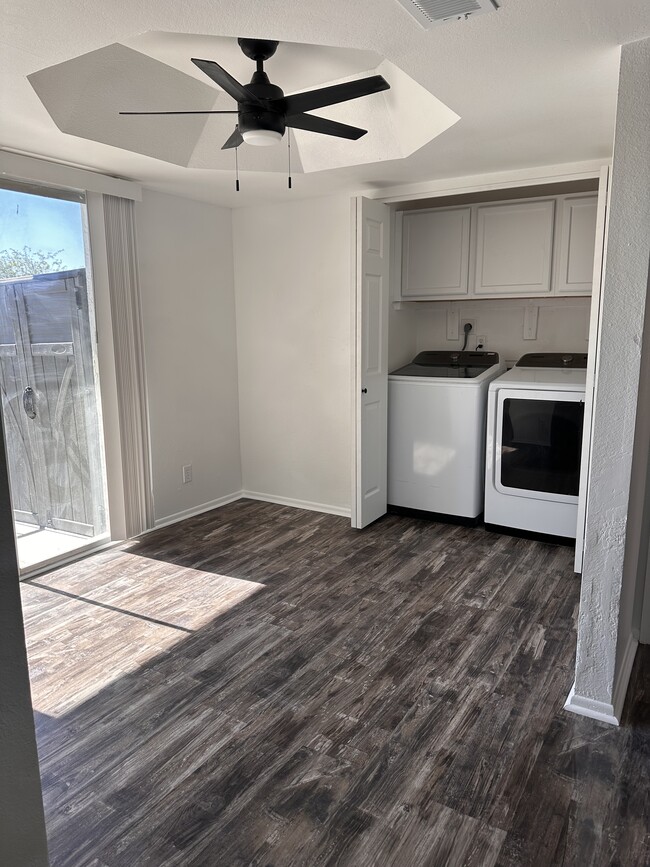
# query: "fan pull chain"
{"points": [[237, 169], [289, 154]]}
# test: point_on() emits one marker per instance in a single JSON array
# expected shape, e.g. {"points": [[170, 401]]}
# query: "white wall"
{"points": [[563, 325], [188, 307], [402, 335], [292, 278], [613, 536]]}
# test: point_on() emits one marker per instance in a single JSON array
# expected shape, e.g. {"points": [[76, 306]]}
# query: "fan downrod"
{"points": [[258, 49]]}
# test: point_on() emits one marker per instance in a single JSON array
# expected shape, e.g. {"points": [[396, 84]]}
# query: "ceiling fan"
{"points": [[264, 112]]}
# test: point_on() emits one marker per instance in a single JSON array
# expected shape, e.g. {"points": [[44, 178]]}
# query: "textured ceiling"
{"points": [[534, 84]]}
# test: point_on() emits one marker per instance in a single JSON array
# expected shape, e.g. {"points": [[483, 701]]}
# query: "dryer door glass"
{"points": [[540, 445]]}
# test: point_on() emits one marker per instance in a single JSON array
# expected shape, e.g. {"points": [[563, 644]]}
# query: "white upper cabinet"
{"points": [[577, 232], [435, 253], [519, 248], [514, 248]]}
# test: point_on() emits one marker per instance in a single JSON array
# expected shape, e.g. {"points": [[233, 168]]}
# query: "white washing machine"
{"points": [[436, 431], [534, 438]]}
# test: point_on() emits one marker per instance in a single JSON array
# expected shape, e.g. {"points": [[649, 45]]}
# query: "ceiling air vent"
{"points": [[428, 13]]}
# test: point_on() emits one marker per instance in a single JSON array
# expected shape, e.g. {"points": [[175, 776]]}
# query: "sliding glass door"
{"points": [[48, 377]]}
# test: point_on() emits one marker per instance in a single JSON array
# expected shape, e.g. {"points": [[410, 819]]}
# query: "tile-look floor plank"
{"points": [[264, 686]]}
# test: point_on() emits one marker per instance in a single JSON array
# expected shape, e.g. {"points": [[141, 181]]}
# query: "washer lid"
{"points": [[448, 357], [449, 364], [554, 359]]}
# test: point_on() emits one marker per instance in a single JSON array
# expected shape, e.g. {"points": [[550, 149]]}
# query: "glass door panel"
{"points": [[48, 379]]}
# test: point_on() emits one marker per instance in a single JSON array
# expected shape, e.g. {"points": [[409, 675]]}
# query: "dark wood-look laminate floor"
{"points": [[265, 686]]}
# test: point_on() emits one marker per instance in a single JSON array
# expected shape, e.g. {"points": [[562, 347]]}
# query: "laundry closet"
{"points": [[487, 279], [517, 264]]}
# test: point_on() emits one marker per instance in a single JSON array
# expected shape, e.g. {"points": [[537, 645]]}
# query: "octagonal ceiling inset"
{"points": [[154, 73]]}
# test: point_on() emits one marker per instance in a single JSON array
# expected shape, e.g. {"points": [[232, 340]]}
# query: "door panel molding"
{"points": [[371, 268]]}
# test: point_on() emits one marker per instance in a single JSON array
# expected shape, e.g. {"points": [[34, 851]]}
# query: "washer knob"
{"points": [[567, 359]]}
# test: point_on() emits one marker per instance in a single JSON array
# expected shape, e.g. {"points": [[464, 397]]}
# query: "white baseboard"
{"points": [[591, 708], [250, 495], [89, 550], [297, 504], [197, 510], [600, 710], [624, 672]]}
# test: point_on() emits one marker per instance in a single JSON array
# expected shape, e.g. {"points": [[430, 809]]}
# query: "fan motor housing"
{"points": [[252, 117]]}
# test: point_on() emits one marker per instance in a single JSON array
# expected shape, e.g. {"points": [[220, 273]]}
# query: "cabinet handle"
{"points": [[364, 391], [28, 402]]}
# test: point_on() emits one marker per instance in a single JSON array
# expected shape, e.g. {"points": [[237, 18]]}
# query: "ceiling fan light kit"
{"points": [[261, 137]]}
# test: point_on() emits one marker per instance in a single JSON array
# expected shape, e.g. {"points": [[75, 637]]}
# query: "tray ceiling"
{"points": [[84, 96]]}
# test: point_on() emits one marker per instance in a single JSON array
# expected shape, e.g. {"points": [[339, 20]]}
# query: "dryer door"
{"points": [[538, 444]]}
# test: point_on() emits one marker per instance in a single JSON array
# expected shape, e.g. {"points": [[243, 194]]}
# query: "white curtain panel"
{"points": [[119, 218]]}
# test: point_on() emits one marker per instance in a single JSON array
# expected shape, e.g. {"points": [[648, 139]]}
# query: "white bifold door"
{"points": [[370, 338]]}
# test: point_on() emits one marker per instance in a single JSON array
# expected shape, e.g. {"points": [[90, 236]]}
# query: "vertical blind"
{"points": [[126, 315]]}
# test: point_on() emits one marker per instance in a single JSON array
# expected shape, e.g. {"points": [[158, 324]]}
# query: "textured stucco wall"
{"points": [[638, 516], [607, 590]]}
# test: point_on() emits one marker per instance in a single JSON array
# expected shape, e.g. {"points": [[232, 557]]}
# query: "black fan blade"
{"points": [[234, 141], [234, 111], [225, 80], [327, 127], [300, 102]]}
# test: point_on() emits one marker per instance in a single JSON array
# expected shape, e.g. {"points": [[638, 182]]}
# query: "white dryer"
{"points": [[534, 438], [436, 431]]}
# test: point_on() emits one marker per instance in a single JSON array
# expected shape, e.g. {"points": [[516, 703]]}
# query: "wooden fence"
{"points": [[50, 403]]}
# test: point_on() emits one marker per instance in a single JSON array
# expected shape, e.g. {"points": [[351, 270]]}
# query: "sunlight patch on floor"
{"points": [[85, 636]]}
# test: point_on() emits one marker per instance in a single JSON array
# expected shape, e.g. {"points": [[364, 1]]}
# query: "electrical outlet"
{"points": [[481, 341], [187, 474], [463, 323]]}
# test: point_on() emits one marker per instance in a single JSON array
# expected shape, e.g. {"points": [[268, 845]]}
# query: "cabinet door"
{"points": [[514, 248], [435, 253], [576, 245]]}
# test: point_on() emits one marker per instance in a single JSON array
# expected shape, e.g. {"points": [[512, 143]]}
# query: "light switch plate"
{"points": [[531, 314], [453, 323]]}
